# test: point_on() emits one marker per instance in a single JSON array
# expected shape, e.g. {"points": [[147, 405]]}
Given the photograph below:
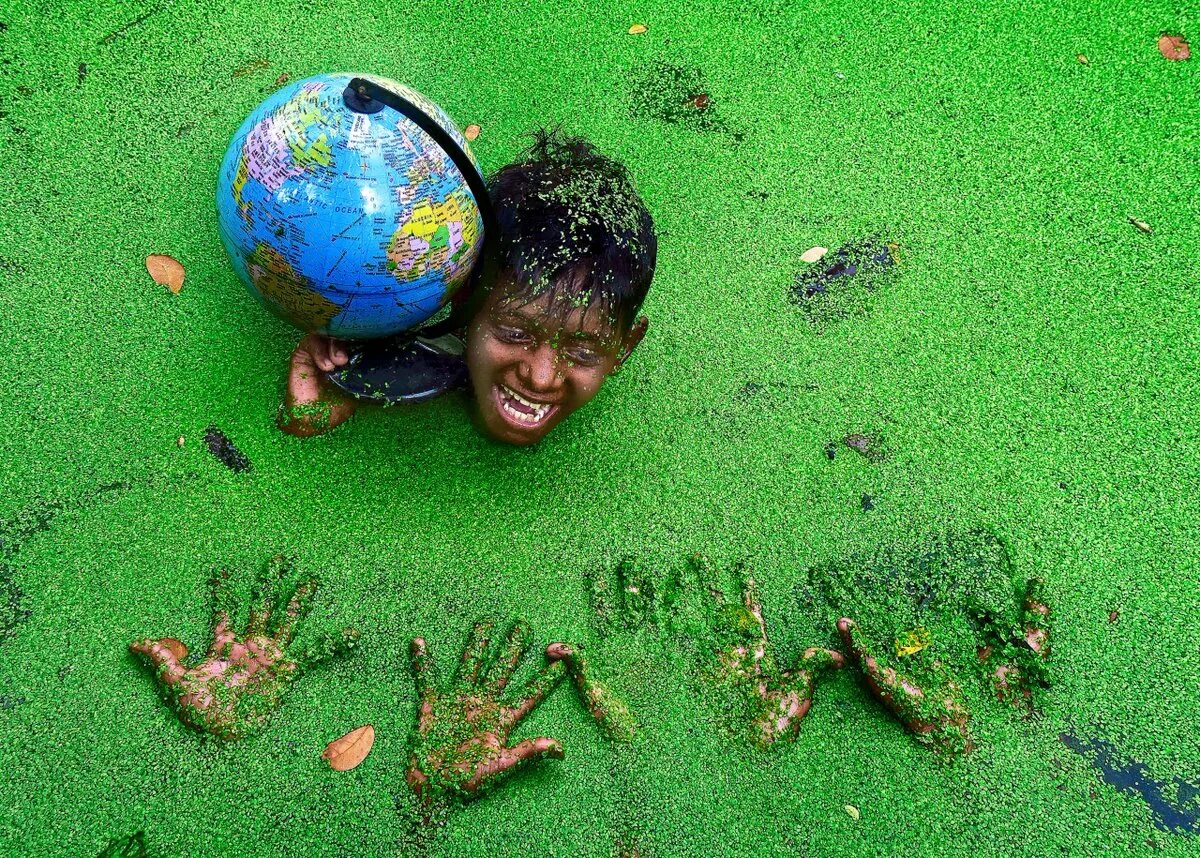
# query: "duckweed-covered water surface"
{"points": [[1002, 391]]}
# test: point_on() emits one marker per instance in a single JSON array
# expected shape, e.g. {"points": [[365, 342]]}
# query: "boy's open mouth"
{"points": [[518, 410]]}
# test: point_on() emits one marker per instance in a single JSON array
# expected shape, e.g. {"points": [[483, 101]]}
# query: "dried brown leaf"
{"points": [[347, 752], [852, 810], [638, 29], [1174, 47], [471, 132], [1142, 225], [813, 254], [166, 271], [282, 79]]}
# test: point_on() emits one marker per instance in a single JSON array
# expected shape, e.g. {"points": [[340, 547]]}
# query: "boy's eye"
{"points": [[583, 355], [509, 334]]}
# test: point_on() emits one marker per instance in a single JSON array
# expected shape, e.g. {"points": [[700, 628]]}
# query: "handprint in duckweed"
{"points": [[735, 635], [233, 690], [916, 618], [718, 614], [461, 743]]}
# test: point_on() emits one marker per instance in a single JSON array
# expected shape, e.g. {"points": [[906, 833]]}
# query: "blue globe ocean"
{"points": [[343, 223]]}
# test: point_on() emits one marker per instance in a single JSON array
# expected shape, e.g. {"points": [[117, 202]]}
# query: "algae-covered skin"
{"points": [[962, 585], [460, 746], [233, 690], [928, 703]]}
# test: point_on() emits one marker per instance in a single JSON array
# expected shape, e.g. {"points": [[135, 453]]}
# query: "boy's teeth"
{"points": [[539, 410]]}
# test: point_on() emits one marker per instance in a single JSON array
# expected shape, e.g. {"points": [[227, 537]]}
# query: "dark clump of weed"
{"points": [[225, 450], [665, 92], [842, 284]]}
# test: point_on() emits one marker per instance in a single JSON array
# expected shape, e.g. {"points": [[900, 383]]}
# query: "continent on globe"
{"points": [[278, 148], [436, 233], [291, 294]]}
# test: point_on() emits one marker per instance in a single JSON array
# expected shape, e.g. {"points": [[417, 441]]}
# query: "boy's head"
{"points": [[574, 258]]}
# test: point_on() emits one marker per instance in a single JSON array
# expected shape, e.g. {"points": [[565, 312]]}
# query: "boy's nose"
{"points": [[542, 371]]}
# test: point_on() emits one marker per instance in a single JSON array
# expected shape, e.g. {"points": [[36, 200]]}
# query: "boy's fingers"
{"points": [[162, 658], [471, 663], [502, 668], [297, 609], [882, 682], [260, 610], [511, 758], [219, 594], [815, 658], [532, 694], [426, 682], [854, 643], [338, 354]]}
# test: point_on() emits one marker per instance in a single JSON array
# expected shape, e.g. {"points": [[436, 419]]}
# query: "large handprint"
{"points": [[930, 707], [779, 699], [461, 744], [235, 688]]}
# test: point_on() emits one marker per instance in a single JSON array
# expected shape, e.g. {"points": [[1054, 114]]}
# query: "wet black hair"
{"points": [[572, 225]]}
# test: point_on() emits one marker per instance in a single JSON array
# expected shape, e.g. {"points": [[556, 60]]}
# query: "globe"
{"points": [[346, 223]]}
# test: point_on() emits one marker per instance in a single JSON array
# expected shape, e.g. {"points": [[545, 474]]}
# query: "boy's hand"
{"points": [[461, 744], [934, 714], [311, 407], [1020, 658], [779, 699], [233, 691]]}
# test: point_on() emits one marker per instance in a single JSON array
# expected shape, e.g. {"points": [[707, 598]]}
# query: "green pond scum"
{"points": [[1021, 376]]}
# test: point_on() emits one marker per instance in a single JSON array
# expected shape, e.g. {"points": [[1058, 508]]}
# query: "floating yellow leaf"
{"points": [[472, 131], [166, 271], [176, 647], [347, 752], [1142, 225], [852, 810], [1083, 59], [638, 29], [913, 641], [813, 254]]}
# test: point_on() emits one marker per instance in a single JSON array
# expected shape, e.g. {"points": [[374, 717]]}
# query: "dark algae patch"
{"points": [[677, 95], [1175, 805], [842, 284], [133, 846], [227, 453]]}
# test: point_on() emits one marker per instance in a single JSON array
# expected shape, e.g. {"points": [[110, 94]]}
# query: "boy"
{"points": [[559, 306]]}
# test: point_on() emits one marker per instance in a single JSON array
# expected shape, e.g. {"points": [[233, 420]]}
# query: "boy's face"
{"points": [[531, 368]]}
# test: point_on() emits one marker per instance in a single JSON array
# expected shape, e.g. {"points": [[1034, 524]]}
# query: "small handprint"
{"points": [[235, 688], [461, 743], [633, 596]]}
